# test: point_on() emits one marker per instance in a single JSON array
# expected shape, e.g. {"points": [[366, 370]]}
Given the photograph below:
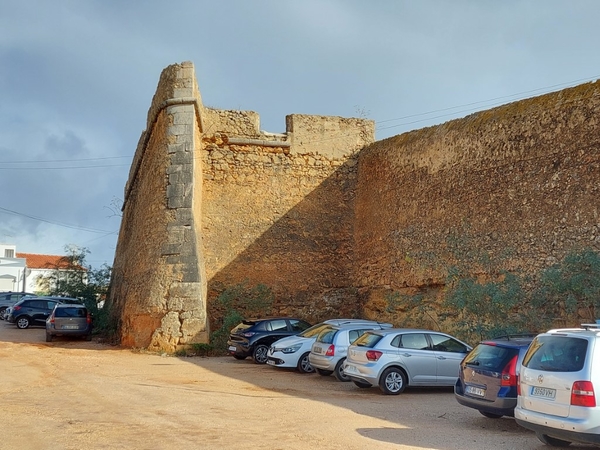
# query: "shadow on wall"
{"points": [[305, 257]]}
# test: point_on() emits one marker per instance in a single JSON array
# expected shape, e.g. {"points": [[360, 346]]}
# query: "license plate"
{"points": [[475, 391], [232, 348], [543, 392], [70, 327], [317, 350], [348, 369], [270, 362]]}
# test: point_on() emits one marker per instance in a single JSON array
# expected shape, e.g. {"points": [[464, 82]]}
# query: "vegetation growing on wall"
{"points": [[564, 294], [238, 302]]}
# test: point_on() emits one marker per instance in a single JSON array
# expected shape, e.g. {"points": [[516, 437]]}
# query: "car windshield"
{"points": [[492, 357], [313, 331], [556, 353], [70, 312], [368, 340], [326, 336]]}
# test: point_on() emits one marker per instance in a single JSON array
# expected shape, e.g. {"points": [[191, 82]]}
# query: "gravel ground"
{"points": [[72, 394]]}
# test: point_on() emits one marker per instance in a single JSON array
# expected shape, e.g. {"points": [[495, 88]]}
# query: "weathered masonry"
{"points": [[331, 221]]}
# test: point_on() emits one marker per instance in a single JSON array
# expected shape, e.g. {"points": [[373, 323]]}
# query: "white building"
{"points": [[20, 272], [13, 270]]}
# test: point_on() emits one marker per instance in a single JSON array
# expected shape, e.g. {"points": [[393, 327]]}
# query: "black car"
{"points": [[487, 378], [32, 310], [253, 337]]}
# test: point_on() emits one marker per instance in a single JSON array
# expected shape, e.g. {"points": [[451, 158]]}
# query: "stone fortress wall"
{"points": [[332, 221], [516, 185]]}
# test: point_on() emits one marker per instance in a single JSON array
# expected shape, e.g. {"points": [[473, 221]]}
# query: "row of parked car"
{"points": [[546, 381], [62, 316]]}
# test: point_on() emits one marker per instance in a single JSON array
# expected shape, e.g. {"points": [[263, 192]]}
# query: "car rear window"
{"points": [[490, 356], [70, 312], [326, 336], [368, 340], [313, 331], [558, 353]]}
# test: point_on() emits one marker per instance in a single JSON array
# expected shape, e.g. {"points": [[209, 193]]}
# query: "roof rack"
{"points": [[587, 326]]}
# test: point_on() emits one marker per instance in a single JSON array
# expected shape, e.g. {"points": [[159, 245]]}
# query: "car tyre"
{"points": [[324, 373], [361, 384], [260, 354], [490, 415], [88, 337], [3, 313], [551, 441], [23, 322], [48, 337], [392, 381], [240, 357], [339, 371], [304, 364]]}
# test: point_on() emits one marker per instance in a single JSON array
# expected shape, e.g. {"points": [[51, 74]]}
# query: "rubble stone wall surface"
{"points": [[279, 212], [517, 185]]}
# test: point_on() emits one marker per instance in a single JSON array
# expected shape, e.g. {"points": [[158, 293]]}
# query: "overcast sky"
{"points": [[77, 78]]}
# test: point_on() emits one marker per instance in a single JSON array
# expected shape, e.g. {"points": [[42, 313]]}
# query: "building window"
{"points": [[9, 253]]}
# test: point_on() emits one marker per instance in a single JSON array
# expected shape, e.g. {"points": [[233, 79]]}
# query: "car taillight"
{"points": [[89, 319], [16, 308], [373, 355], [582, 394], [330, 351], [518, 385], [509, 373]]}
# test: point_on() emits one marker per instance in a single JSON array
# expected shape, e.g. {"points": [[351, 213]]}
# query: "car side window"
{"points": [[355, 334], [38, 304], [415, 341], [298, 325], [446, 344], [278, 325], [397, 341]]}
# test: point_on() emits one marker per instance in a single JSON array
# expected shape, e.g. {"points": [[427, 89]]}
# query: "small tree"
{"points": [[73, 277]]}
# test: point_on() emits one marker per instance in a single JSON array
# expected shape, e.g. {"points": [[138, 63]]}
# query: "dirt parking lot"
{"points": [[72, 394]]}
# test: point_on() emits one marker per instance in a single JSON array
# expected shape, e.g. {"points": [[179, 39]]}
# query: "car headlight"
{"points": [[292, 349]]}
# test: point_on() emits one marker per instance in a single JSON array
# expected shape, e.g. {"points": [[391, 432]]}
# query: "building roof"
{"points": [[35, 261]]}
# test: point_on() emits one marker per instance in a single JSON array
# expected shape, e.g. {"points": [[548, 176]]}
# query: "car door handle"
{"points": [[441, 357], [406, 354]]}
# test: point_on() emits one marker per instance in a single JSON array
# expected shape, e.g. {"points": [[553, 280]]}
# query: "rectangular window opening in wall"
{"points": [[9, 253]]}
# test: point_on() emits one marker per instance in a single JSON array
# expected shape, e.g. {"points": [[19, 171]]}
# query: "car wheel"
{"points": [[392, 381], [553, 442], [23, 322], [260, 354], [3, 313], [48, 337], [240, 357], [324, 373], [304, 364], [490, 415], [361, 384], [339, 371]]}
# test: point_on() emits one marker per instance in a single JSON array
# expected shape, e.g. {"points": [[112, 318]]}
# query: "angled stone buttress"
{"points": [[158, 288]]}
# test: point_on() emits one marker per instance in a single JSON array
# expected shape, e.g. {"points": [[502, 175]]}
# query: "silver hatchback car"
{"points": [[399, 357], [328, 352], [559, 376]]}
